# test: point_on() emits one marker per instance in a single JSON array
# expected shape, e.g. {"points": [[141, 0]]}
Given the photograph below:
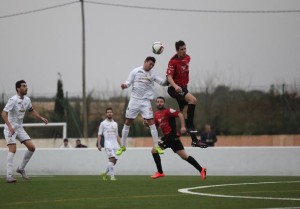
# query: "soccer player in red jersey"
{"points": [[165, 118], [178, 78]]}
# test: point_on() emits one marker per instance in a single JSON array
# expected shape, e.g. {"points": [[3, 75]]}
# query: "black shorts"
{"points": [[173, 142], [179, 96]]}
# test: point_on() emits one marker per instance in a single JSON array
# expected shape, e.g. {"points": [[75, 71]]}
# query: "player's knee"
{"points": [[191, 99], [32, 149], [184, 157], [154, 151]]}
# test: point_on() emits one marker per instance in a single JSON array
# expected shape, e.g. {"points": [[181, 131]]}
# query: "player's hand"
{"points": [[145, 123], [182, 130], [45, 120], [99, 148], [124, 86], [11, 131], [178, 89]]}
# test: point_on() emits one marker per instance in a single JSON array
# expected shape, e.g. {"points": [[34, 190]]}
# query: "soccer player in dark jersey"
{"points": [[165, 118], [178, 78]]}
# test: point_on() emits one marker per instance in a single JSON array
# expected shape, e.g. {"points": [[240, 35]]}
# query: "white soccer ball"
{"points": [[157, 48]]}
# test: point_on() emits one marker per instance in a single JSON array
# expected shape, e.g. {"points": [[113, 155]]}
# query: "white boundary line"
{"points": [[187, 191]]}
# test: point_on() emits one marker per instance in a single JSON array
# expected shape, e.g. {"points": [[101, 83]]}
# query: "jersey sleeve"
{"points": [[29, 107], [100, 131], [9, 105], [171, 68], [130, 78], [160, 81]]}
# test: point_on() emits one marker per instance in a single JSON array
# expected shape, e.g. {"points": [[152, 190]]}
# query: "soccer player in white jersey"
{"points": [[142, 81], [109, 129], [13, 115]]}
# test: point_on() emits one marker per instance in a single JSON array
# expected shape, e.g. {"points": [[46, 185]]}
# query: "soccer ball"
{"points": [[157, 48]]}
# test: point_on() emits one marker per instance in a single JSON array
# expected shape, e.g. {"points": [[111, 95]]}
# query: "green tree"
{"points": [[59, 101]]}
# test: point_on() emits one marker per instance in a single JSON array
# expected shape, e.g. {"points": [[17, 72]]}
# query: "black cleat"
{"points": [[199, 144]]}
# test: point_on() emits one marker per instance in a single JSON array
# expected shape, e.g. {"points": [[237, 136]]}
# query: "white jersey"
{"points": [[143, 83], [109, 129], [16, 108]]}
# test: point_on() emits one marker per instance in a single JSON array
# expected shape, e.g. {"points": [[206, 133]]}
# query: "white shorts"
{"points": [[20, 133], [139, 106], [111, 153]]}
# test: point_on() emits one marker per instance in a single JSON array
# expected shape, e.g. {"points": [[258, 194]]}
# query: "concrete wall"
{"points": [[273, 161]]}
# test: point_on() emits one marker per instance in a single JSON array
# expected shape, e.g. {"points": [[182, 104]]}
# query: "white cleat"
{"points": [[11, 180], [23, 174]]}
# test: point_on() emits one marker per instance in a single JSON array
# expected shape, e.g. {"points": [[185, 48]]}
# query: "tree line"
{"points": [[230, 111]]}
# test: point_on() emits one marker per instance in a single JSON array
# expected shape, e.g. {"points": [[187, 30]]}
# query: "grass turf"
{"points": [[136, 192]]}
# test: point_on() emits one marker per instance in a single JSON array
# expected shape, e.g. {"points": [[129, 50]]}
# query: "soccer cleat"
{"points": [[113, 178], [104, 176], [121, 150], [11, 180], [199, 144], [23, 174], [159, 150], [157, 175], [203, 173]]}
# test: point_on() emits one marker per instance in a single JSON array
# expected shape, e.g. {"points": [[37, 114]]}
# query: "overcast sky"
{"points": [[247, 50]]}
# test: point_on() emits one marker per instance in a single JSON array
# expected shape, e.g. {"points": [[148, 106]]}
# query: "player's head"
{"points": [[160, 102], [149, 63], [180, 48], [109, 113], [21, 87]]}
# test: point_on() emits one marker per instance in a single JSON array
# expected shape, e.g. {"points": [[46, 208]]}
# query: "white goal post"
{"points": [[63, 124]]}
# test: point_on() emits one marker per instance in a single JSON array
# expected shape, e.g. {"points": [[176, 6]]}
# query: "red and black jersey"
{"points": [[179, 70], [166, 120]]}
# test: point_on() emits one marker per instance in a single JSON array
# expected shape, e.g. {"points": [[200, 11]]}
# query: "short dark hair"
{"points": [[19, 83], [178, 44], [160, 97], [150, 59], [109, 108], [66, 140]]}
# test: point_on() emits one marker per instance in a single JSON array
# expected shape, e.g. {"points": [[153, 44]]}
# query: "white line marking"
{"points": [[187, 191]]}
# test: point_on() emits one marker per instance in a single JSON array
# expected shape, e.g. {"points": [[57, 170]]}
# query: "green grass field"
{"points": [[142, 192]]}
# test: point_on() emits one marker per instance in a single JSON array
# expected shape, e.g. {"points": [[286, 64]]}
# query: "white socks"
{"points": [[125, 132], [9, 164], [110, 167], [26, 158], [153, 131], [154, 134]]}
